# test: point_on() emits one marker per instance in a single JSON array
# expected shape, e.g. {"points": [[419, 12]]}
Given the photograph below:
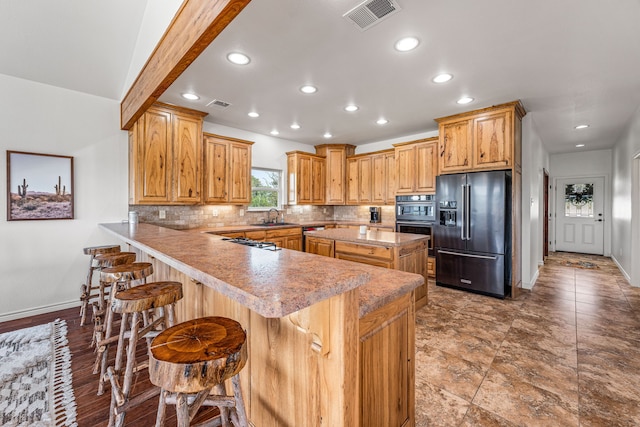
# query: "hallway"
{"points": [[565, 354]]}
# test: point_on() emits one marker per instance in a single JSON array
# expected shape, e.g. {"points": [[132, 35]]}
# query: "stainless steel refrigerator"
{"points": [[473, 232]]}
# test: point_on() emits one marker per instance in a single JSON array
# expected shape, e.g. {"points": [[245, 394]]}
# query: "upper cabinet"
{"points": [[335, 156], [165, 156], [416, 166], [227, 170], [485, 139], [371, 178], [306, 178]]}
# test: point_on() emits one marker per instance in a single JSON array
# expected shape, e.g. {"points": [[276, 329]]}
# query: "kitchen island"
{"points": [[398, 251], [331, 343]]}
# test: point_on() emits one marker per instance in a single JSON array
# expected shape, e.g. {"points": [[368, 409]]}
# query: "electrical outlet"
{"points": [[324, 210], [162, 214], [241, 212], [215, 212]]}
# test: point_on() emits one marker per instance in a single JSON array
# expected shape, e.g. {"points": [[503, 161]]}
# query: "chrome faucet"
{"points": [[269, 220]]}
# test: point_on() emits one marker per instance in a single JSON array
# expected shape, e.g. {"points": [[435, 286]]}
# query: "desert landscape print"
{"points": [[39, 186]]}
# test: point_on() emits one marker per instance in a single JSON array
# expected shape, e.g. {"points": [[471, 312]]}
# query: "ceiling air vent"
{"points": [[371, 12], [218, 103]]}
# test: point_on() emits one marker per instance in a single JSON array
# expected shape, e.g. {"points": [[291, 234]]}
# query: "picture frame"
{"points": [[39, 186]]}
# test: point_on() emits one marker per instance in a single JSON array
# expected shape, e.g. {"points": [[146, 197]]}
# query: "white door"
{"points": [[580, 215]]}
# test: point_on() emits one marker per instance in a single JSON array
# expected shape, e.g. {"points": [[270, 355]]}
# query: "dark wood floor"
{"points": [[93, 410]]}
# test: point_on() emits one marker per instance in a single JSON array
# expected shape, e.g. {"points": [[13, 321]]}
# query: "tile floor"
{"points": [[565, 354]]}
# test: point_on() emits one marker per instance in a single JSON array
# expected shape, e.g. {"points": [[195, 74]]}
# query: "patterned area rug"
{"points": [[35, 377], [581, 264]]}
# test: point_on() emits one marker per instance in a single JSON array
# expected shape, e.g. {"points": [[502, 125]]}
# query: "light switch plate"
{"points": [[162, 214]]}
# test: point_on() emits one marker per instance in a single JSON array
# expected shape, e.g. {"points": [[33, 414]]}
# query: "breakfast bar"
{"points": [[330, 341]]}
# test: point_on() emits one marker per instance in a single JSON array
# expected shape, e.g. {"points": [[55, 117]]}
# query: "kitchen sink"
{"points": [[273, 224]]}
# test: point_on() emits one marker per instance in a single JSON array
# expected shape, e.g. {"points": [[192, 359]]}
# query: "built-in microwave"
{"points": [[416, 208], [416, 214]]}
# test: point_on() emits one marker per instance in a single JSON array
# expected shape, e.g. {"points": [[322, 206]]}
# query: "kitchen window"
{"points": [[265, 189]]}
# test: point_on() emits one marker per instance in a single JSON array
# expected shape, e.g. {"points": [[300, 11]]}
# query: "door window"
{"points": [[578, 200]]}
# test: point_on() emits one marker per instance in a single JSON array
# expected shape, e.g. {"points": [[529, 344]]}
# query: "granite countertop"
{"points": [[271, 283], [372, 237]]}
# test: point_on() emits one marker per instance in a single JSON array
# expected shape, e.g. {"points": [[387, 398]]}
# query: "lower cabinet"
{"points": [[387, 383], [288, 238], [431, 266], [411, 257]]}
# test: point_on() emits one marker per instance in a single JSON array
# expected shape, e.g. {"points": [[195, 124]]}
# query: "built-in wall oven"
{"points": [[416, 214]]}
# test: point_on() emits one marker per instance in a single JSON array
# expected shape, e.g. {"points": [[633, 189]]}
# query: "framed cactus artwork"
{"points": [[39, 186]]}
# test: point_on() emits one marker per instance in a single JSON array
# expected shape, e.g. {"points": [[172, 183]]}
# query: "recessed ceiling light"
{"points": [[253, 114], [238, 58], [190, 96], [464, 100], [442, 78], [382, 121], [327, 135], [308, 89], [582, 126], [274, 132], [351, 108], [406, 44], [295, 126], [579, 145]]}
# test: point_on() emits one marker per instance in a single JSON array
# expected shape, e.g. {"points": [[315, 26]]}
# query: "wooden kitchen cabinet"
{"points": [[227, 170], [478, 140], [335, 171], [306, 178], [410, 257], [431, 266], [416, 166], [319, 246], [165, 156], [390, 330], [371, 178]]}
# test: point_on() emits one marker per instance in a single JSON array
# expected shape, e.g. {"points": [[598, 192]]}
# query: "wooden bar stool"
{"points": [[120, 277], [190, 360], [87, 288], [136, 302]]}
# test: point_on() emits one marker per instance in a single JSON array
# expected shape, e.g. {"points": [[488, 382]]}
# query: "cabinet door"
{"points": [[378, 179], [216, 158], [352, 181], [317, 181], [319, 246], [492, 141], [416, 261], [365, 176], [239, 173], [335, 170], [154, 151], [455, 146], [304, 180], [187, 155], [390, 178], [387, 346], [426, 167], [293, 242], [405, 169]]}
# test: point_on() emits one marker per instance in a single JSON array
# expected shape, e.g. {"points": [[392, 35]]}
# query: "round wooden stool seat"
{"points": [[147, 296], [126, 272], [99, 250], [113, 259], [197, 355]]}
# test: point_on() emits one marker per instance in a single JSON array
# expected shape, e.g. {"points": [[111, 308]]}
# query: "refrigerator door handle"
{"points": [[463, 213], [467, 202], [468, 255]]}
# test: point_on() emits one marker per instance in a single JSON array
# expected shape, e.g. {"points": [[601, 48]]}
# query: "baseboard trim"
{"points": [[532, 283], [624, 273], [19, 314]]}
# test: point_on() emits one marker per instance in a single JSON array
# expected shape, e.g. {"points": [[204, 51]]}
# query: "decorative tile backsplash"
{"points": [[185, 217]]}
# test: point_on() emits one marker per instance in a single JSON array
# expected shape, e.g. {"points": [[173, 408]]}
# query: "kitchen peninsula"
{"points": [[331, 342]]}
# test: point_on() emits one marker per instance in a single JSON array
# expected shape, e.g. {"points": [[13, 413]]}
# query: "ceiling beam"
{"points": [[196, 24]]}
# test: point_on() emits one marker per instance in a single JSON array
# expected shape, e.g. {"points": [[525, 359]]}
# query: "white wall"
{"points": [[42, 264], [535, 160], [388, 143], [623, 222], [585, 164]]}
